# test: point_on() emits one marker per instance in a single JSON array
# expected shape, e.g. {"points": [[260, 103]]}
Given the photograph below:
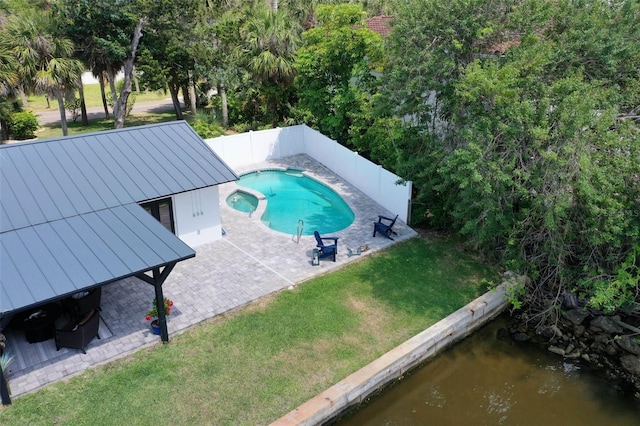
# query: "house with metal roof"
{"points": [[82, 211]]}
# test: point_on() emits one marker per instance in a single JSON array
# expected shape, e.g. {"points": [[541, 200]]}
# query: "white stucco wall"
{"points": [[196, 216]]}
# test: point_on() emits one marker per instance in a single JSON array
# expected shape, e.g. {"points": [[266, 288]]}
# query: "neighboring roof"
{"points": [[380, 24], [69, 217]]}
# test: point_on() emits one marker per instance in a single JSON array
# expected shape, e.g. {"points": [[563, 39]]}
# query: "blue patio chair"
{"points": [[326, 250], [385, 228]]}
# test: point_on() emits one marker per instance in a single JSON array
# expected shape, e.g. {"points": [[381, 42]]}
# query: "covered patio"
{"points": [[83, 211], [224, 275]]}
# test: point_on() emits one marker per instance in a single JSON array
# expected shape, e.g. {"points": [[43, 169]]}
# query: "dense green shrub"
{"points": [[23, 125], [205, 123], [207, 130], [530, 154], [74, 108], [243, 127]]}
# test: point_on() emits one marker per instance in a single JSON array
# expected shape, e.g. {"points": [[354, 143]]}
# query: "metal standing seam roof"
{"points": [[56, 178], [69, 213], [47, 261]]}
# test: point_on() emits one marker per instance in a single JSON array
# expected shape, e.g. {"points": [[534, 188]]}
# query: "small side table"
{"points": [[38, 323]]}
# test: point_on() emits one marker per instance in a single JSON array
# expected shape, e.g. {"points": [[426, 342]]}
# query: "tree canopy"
{"points": [[516, 120], [524, 115], [39, 58], [335, 68]]}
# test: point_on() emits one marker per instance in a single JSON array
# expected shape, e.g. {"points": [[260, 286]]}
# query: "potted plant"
{"points": [[5, 360], [152, 315]]}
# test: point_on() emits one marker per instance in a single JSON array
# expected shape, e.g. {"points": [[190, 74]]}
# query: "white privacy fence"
{"points": [[377, 183]]}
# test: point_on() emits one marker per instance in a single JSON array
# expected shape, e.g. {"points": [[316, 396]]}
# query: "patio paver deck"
{"points": [[249, 262]]}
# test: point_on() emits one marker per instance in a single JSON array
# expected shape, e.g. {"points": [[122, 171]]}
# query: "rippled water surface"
{"points": [[486, 381]]}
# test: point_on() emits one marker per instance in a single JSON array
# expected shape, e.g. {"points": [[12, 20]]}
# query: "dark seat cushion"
{"points": [[73, 324], [87, 317]]}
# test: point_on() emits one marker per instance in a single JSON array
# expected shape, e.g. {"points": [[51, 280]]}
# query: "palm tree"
{"points": [[270, 41], [58, 79], [44, 63], [8, 87], [8, 76], [303, 11]]}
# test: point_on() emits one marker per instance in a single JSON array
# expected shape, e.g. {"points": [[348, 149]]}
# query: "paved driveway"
{"points": [[52, 115]]}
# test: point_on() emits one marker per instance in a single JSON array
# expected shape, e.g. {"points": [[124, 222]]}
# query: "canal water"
{"points": [[487, 381]]}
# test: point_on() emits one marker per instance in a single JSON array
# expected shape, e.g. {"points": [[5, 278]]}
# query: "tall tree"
{"points": [[102, 31], [217, 56], [166, 52], [43, 58], [9, 86], [9, 79], [269, 42], [335, 70], [431, 44], [521, 133], [304, 11], [120, 103]]}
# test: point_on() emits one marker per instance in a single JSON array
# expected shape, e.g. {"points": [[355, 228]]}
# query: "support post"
{"points": [[156, 281], [162, 318]]}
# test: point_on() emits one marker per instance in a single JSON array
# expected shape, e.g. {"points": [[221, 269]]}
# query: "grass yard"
{"points": [[74, 128], [256, 364], [92, 98]]}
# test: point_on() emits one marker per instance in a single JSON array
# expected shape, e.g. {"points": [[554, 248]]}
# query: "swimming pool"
{"points": [[242, 201], [292, 196]]}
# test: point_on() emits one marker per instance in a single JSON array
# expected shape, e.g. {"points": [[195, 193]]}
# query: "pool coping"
{"points": [[263, 202], [262, 199]]}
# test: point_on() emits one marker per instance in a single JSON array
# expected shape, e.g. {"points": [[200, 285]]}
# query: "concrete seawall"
{"points": [[359, 385]]}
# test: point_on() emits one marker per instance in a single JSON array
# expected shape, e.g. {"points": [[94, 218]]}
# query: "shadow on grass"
{"points": [[421, 276], [54, 130]]}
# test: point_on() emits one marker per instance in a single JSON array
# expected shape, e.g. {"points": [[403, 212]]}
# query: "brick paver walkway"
{"points": [[249, 262]]}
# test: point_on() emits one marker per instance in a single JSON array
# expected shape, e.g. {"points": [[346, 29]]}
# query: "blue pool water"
{"points": [[292, 196], [242, 201]]}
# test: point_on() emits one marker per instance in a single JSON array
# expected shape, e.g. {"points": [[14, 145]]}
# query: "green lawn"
{"points": [[255, 365], [92, 98], [98, 125]]}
